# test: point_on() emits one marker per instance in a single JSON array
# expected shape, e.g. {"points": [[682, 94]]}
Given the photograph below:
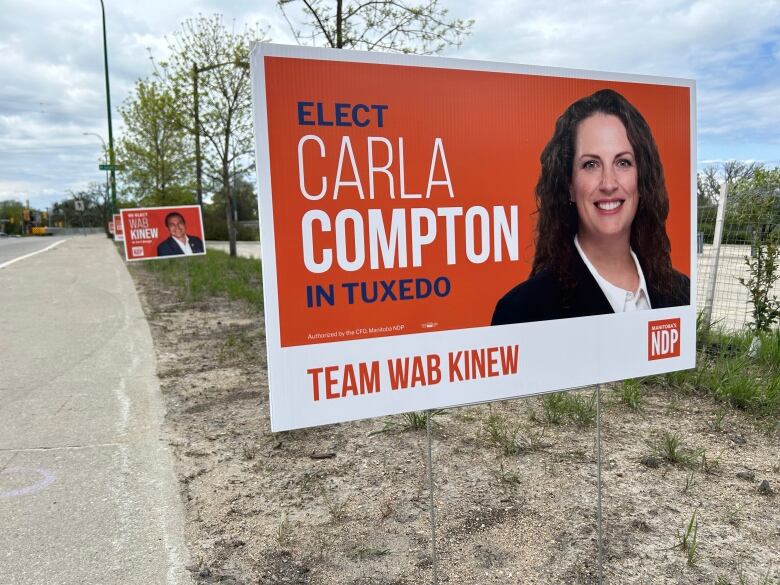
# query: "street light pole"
{"points": [[108, 108]]}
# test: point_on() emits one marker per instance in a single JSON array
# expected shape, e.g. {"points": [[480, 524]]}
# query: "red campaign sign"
{"points": [[118, 231], [111, 227], [163, 232]]}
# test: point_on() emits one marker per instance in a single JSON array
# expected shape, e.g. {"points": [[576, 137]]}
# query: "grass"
{"points": [[688, 540], [235, 346], [214, 275], [671, 449], [630, 393], [732, 373], [336, 507], [577, 408]]}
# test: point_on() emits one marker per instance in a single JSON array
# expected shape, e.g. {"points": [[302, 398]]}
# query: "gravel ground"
{"points": [[348, 503]]}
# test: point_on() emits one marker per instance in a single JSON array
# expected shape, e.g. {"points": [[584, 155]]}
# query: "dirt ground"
{"points": [[348, 503]]}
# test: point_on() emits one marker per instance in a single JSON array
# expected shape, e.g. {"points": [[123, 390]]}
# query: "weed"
{"points": [[582, 410], [235, 345], [414, 421], [578, 408], [716, 423], [630, 393], [337, 508], [683, 380], [690, 481], [709, 466], [502, 436], [510, 440], [418, 420], [671, 449], [554, 407], [768, 354], [688, 540]]}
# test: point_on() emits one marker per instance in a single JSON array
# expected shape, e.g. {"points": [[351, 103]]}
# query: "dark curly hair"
{"points": [[558, 221]]}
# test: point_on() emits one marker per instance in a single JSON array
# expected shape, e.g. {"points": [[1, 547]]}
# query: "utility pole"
{"points": [[111, 158]]}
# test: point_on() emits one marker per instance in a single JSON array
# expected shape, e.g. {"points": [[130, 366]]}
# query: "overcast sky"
{"points": [[52, 87]]}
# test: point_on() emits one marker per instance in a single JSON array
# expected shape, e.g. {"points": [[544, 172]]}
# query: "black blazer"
{"points": [[542, 297], [170, 248]]}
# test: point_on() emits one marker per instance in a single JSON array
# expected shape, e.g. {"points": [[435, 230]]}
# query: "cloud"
{"points": [[53, 85]]}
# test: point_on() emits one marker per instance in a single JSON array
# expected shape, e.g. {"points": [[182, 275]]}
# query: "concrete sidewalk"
{"points": [[87, 488]]}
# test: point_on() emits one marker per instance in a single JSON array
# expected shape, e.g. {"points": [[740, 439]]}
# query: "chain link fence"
{"points": [[728, 261]]}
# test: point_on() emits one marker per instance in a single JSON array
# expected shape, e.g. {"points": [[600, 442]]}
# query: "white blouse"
{"points": [[620, 299]]}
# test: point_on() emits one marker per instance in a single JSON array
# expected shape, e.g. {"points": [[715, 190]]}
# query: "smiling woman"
{"points": [[601, 243]]}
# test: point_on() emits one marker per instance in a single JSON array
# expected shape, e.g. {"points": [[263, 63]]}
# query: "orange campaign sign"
{"points": [[437, 224], [118, 232], [163, 232]]}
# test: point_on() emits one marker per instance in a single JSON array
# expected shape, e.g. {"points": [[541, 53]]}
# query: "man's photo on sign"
{"points": [[601, 243], [178, 242]]}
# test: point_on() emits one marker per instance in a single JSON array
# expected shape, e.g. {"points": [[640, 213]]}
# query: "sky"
{"points": [[52, 88]]}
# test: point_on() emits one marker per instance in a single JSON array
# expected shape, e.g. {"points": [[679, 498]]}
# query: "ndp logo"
{"points": [[663, 339]]}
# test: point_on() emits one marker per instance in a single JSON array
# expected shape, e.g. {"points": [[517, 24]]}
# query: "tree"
{"points": [[245, 200], [11, 216], [397, 26], [221, 60], [96, 208], [709, 180], [754, 207], [156, 148]]}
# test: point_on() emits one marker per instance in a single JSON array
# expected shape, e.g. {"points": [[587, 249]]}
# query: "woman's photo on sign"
{"points": [[601, 245]]}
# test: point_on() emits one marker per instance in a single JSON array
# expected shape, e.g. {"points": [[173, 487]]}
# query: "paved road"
{"points": [[11, 248], [87, 489]]}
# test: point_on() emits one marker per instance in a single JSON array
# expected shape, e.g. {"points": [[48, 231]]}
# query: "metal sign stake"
{"points": [[432, 508], [598, 480]]}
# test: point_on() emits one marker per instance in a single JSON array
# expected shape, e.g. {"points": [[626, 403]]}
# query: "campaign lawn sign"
{"points": [[396, 201], [118, 232], [152, 233]]}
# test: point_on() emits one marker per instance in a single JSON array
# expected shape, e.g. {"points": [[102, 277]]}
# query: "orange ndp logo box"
{"points": [[663, 339]]}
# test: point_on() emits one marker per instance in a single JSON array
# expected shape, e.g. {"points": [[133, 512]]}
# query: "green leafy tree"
{"points": [[220, 57], [245, 201], [754, 205], [156, 148], [11, 216], [397, 26]]}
